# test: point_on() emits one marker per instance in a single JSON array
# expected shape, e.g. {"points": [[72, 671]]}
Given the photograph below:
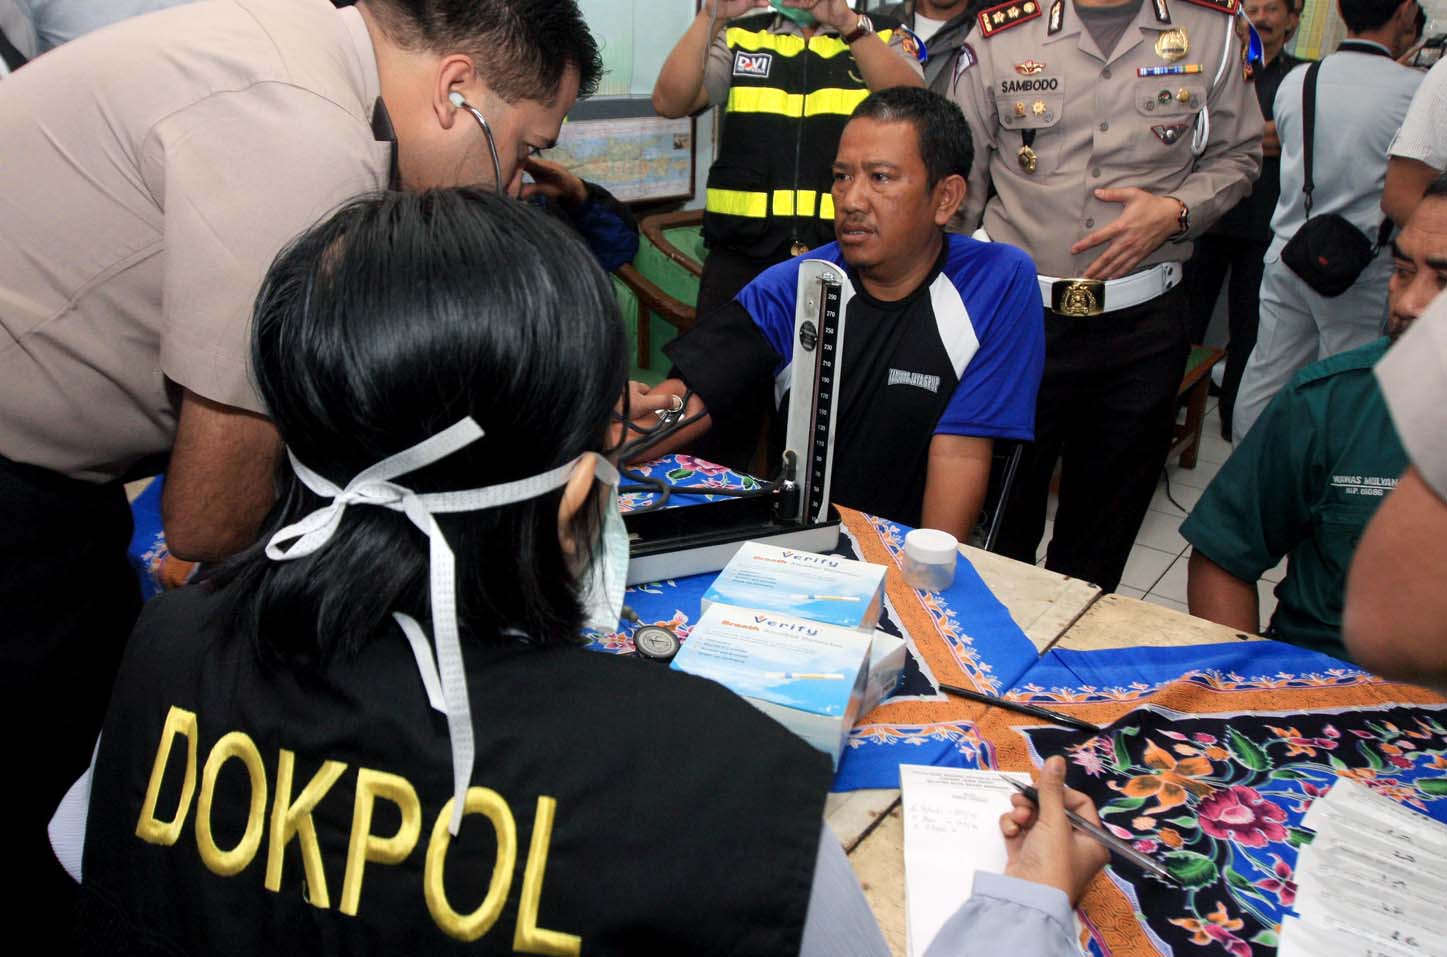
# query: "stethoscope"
{"points": [[457, 100]]}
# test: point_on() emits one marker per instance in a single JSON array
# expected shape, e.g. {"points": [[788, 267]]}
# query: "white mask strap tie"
{"points": [[446, 682]]}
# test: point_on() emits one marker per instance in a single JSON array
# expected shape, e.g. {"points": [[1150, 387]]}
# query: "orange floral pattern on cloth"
{"points": [[1169, 779]]}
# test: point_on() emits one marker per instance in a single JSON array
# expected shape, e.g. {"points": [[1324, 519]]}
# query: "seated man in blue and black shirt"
{"points": [[944, 342]]}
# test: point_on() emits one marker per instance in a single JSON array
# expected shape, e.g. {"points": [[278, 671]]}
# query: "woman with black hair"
{"points": [[375, 731]]}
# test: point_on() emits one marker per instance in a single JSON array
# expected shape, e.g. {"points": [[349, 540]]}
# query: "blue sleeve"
{"points": [[607, 227], [769, 301], [996, 394], [1014, 916]]}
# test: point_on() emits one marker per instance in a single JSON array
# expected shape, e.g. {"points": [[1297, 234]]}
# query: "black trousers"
{"points": [[1106, 406], [725, 274], [1205, 272], [68, 600]]}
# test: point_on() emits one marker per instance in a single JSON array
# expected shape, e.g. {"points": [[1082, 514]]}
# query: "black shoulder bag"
{"points": [[1327, 252]]}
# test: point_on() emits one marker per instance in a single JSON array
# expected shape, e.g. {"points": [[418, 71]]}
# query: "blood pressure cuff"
{"points": [[731, 366]]}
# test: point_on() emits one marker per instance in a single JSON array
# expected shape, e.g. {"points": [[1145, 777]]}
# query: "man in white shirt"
{"points": [[60, 21], [1362, 96], [1419, 153], [17, 38]]}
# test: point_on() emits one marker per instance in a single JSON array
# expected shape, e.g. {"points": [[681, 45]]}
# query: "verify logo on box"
{"points": [[807, 676], [822, 588]]}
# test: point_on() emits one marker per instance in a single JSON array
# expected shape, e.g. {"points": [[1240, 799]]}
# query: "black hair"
{"points": [[1363, 15], [1437, 189], [379, 328], [521, 47], [944, 138]]}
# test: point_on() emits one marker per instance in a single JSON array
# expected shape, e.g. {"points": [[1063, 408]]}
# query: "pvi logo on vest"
{"points": [[752, 64]]}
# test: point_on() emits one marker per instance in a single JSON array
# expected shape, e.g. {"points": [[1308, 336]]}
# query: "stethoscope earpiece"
{"points": [[457, 100]]}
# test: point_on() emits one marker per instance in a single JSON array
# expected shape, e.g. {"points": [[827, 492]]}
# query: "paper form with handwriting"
{"points": [[1370, 883], [951, 830]]}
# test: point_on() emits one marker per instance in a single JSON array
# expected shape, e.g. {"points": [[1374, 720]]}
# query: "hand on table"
{"points": [[1041, 846], [1145, 221], [554, 181]]}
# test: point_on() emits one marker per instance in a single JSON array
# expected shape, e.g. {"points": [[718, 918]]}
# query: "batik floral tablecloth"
{"points": [[1209, 757], [1209, 754]]}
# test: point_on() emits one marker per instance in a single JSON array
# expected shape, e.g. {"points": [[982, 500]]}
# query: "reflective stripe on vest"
{"points": [[787, 44], [781, 202], [761, 99]]}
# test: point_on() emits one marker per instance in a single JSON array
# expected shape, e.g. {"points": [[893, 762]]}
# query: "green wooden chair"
{"points": [[658, 290], [1195, 386]]}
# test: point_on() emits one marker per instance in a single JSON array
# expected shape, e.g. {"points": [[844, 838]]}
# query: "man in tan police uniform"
{"points": [[149, 173], [1111, 133]]}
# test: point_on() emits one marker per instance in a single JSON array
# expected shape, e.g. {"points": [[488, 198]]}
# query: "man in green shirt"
{"points": [[1310, 474]]}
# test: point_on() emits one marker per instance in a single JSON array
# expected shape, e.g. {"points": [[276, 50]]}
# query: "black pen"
{"points": [[1054, 717], [1119, 846]]}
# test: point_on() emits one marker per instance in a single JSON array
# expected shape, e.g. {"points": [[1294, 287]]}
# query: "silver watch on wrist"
{"points": [[862, 28]]}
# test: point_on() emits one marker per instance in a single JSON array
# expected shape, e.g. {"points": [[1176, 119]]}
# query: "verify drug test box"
{"points": [[808, 676], [822, 588]]}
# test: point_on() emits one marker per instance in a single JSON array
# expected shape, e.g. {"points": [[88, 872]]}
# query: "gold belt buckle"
{"points": [[1077, 297]]}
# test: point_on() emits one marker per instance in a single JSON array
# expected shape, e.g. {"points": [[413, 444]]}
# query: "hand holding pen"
{"points": [[1041, 844]]}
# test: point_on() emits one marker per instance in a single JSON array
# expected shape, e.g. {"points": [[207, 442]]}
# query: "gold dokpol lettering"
{"points": [[291, 818]]}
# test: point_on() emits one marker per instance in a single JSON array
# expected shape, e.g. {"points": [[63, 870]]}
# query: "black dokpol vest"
{"points": [[616, 807]]}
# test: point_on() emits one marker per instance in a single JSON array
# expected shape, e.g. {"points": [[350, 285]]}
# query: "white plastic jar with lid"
{"points": [[929, 559]]}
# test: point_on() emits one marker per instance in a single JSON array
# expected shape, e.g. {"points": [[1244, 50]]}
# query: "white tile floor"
{"points": [[1156, 569]]}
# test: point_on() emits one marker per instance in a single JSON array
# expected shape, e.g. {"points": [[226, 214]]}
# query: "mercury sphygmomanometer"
{"points": [[793, 510]]}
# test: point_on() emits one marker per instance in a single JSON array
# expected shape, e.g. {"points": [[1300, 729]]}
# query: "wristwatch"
{"points": [[862, 28], [1183, 219]]}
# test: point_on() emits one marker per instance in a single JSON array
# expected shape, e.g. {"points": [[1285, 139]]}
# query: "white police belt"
{"points": [[1094, 297]]}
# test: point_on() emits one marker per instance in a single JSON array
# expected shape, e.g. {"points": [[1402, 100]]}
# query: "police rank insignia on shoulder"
{"points": [[911, 44], [1253, 53], [1220, 6], [1006, 15]]}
